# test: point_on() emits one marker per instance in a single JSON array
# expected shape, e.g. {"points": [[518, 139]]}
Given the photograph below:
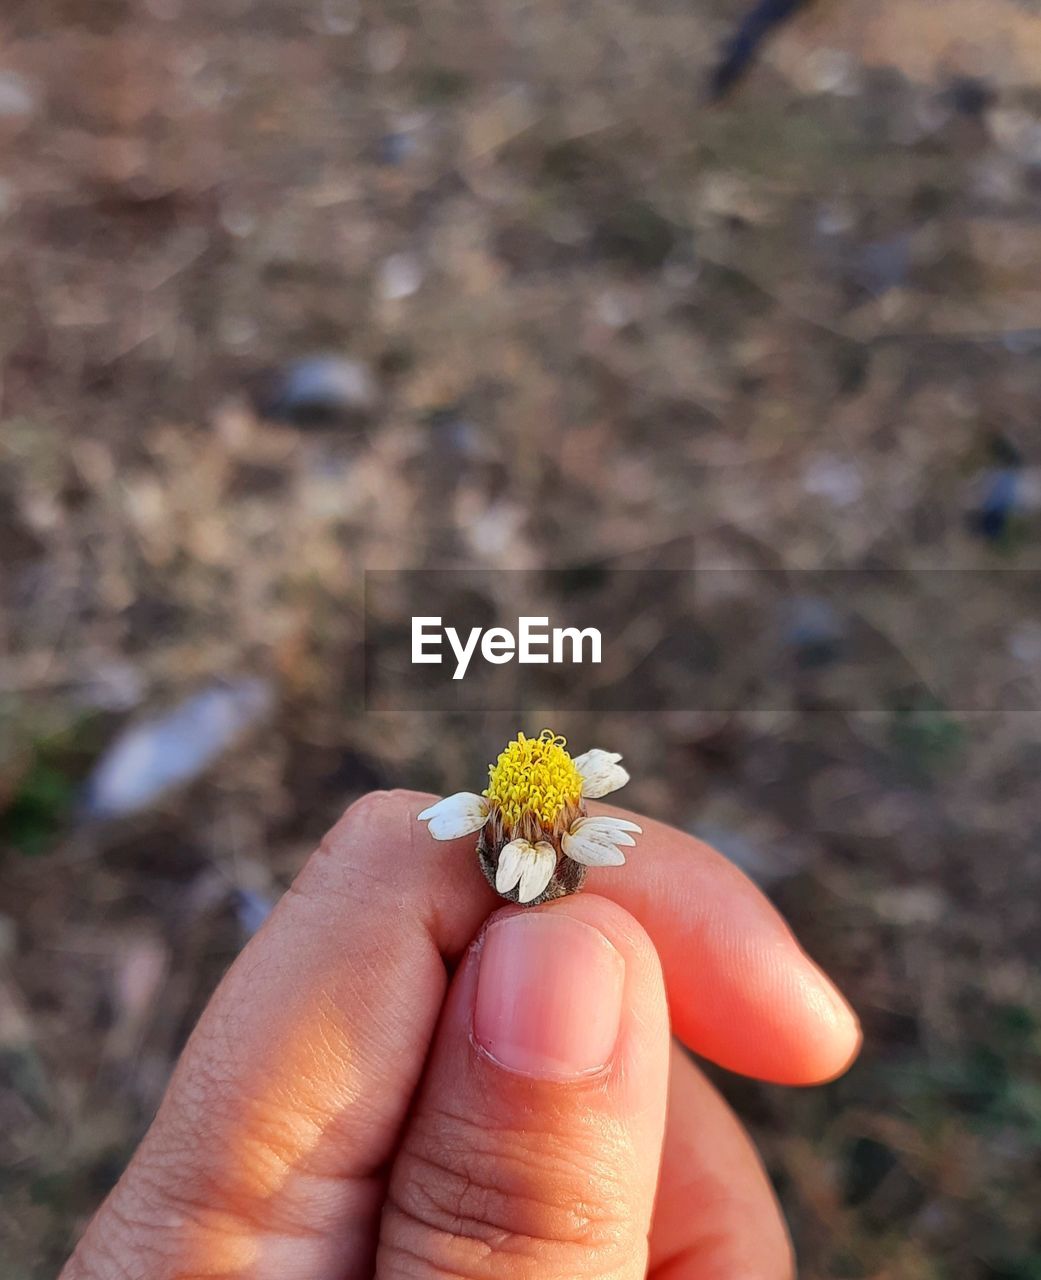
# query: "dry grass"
{"points": [[782, 333]]}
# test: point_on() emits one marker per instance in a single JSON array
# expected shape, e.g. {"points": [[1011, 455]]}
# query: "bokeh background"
{"points": [[294, 288]]}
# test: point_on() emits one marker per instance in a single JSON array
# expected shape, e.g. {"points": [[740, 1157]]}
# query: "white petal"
{"points": [[529, 865], [593, 853], [511, 864], [605, 825], [607, 837], [538, 871], [596, 841], [608, 842], [458, 815], [601, 773]]}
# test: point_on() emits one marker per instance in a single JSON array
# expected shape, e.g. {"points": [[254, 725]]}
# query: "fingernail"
{"points": [[549, 996]]}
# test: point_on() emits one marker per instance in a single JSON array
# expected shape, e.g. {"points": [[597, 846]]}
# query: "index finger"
{"points": [[742, 992]]}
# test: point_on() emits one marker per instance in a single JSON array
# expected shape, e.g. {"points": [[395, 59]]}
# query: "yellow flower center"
{"points": [[534, 775]]}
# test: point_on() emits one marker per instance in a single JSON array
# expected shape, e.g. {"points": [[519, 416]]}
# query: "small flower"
{"points": [[536, 839]]}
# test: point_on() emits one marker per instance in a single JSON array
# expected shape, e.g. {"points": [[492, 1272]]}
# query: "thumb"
{"points": [[533, 1149]]}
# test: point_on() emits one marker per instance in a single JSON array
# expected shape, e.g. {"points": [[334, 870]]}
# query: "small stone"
{"points": [[155, 755], [997, 504], [395, 148], [1003, 496], [813, 630], [1021, 342], [1024, 643], [617, 308], [322, 388], [970, 95], [400, 276], [460, 435], [882, 265], [1017, 132], [17, 96], [834, 71], [385, 49], [338, 17], [837, 479]]}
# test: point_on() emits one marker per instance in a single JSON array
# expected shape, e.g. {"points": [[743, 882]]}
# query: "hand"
{"points": [[388, 1082]]}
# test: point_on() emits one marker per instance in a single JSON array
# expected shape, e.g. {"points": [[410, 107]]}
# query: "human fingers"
{"points": [[533, 1149], [742, 992], [270, 1147], [266, 1160], [716, 1216]]}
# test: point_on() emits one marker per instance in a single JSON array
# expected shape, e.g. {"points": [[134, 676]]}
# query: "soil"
{"points": [[588, 319]]}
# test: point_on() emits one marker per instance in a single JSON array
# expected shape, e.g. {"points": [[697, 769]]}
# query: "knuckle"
{"points": [[370, 815], [465, 1197], [380, 805], [367, 809]]}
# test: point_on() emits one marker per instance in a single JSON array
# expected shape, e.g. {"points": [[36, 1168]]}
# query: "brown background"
{"points": [[595, 321]]}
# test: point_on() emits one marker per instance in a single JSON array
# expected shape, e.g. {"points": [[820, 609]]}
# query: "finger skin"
{"points": [[506, 1175], [716, 1216], [267, 1157], [741, 990]]}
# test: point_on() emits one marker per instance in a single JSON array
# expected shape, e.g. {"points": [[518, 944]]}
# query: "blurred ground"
{"points": [[589, 318]]}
